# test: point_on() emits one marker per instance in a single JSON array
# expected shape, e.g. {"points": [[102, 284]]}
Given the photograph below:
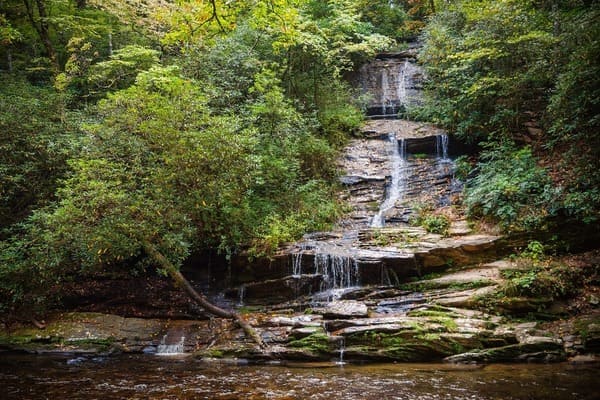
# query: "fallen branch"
{"points": [[182, 282]]}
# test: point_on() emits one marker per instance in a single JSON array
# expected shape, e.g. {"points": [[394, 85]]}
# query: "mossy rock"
{"points": [[316, 343], [542, 351], [589, 330]]}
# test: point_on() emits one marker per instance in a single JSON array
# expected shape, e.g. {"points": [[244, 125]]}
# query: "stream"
{"points": [[149, 377]]}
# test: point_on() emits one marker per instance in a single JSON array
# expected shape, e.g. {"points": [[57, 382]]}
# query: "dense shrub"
{"points": [[512, 189]]}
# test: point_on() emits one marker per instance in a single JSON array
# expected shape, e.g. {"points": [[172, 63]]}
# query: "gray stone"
{"points": [[343, 309], [299, 333]]}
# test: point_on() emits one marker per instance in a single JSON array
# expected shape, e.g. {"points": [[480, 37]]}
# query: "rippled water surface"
{"points": [[152, 377]]}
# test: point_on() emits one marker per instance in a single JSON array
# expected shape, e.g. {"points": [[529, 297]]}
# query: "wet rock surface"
{"points": [[375, 323]]}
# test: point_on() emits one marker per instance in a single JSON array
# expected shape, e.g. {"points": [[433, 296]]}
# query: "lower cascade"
{"points": [[164, 349], [339, 271]]}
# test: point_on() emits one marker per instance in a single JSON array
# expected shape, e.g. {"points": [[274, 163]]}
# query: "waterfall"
{"points": [[342, 350], [393, 84], [401, 85], [242, 294], [297, 264], [384, 90], [164, 349], [339, 271], [441, 146], [398, 180]]}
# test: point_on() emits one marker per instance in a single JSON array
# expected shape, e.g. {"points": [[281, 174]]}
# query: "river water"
{"points": [[151, 377]]}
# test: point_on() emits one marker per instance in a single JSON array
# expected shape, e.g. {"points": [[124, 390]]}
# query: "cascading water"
{"points": [[242, 294], [384, 92], [441, 146], [398, 180], [339, 271], [342, 350], [401, 84], [164, 349], [393, 84], [446, 168]]}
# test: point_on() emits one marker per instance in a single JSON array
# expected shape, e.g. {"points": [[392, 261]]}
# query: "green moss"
{"points": [[100, 344], [417, 345], [424, 285], [384, 237], [211, 353], [432, 313], [428, 337], [582, 326], [373, 206], [47, 342], [317, 342], [448, 323]]}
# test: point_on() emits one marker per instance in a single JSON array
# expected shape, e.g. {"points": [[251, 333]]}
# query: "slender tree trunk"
{"points": [[183, 283], [9, 61], [556, 19], [110, 44], [42, 28]]}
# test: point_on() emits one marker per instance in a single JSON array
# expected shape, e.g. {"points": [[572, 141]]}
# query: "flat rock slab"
{"points": [[74, 332], [298, 321], [403, 128], [466, 276], [339, 324], [343, 309], [383, 328], [543, 351]]}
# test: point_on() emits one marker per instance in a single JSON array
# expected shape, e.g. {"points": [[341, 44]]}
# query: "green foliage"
{"points": [[522, 72], [512, 189], [487, 65], [37, 136], [436, 224], [553, 281], [573, 115], [432, 222], [121, 69], [463, 167], [386, 17], [534, 251]]}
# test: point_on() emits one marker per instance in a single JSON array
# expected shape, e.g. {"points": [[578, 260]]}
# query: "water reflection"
{"points": [[148, 377]]}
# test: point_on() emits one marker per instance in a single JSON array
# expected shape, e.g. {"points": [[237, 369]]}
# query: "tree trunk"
{"points": [[183, 283], [42, 28], [9, 61], [110, 44]]}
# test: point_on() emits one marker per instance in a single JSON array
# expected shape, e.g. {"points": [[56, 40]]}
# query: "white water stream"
{"points": [[399, 177], [164, 349]]}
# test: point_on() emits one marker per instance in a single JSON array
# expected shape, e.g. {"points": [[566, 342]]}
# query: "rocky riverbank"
{"points": [[440, 318], [358, 293]]}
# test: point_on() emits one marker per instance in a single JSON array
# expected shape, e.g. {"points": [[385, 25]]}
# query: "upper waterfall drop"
{"points": [[393, 84], [441, 146]]}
